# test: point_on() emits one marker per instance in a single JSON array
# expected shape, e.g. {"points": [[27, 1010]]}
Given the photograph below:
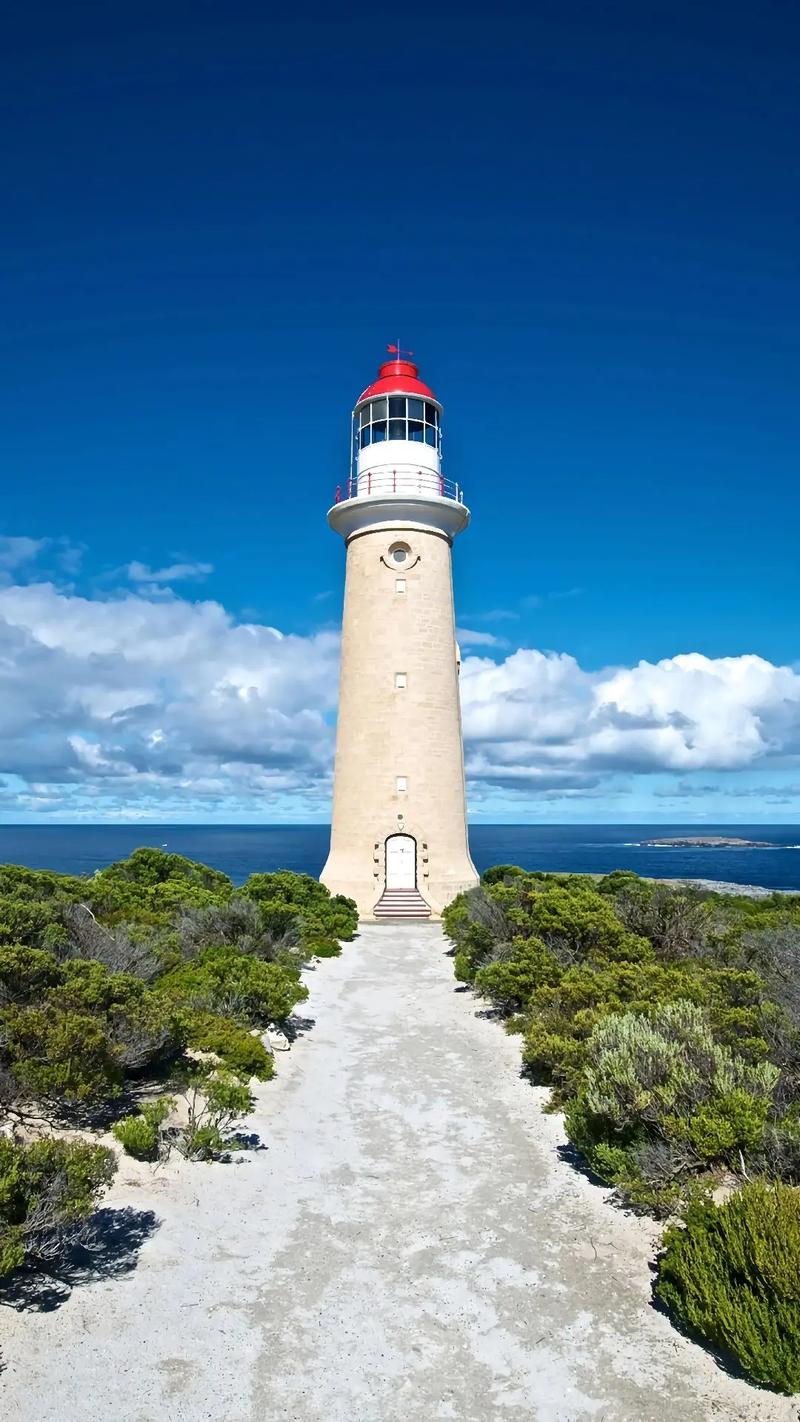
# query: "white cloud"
{"points": [[469, 638], [173, 573], [165, 703], [536, 716], [14, 552], [139, 704]]}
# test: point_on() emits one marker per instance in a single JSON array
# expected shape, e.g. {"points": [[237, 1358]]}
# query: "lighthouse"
{"points": [[399, 830]]}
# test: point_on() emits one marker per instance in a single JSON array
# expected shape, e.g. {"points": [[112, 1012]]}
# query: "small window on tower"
{"points": [[402, 784], [415, 428], [415, 409], [379, 409], [378, 432], [430, 435], [365, 436], [399, 585], [431, 414], [399, 552], [365, 416], [397, 407], [397, 429], [400, 681]]}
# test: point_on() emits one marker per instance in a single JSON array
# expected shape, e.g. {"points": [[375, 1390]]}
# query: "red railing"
{"points": [[402, 480]]}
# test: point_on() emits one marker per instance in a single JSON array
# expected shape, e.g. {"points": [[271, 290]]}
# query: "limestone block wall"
{"points": [[385, 732]]}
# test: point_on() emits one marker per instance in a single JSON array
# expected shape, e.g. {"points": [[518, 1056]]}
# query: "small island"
{"points": [[706, 841]]}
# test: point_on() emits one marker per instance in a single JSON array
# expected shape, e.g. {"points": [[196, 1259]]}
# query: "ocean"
{"points": [[240, 850]]}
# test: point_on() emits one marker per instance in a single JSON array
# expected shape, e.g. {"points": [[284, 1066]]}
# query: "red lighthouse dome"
{"points": [[397, 377]]}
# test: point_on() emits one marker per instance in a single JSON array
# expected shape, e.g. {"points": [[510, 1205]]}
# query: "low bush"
{"points": [[124, 975], [235, 1047], [323, 947], [563, 1013], [222, 980], [732, 1276], [664, 1080], [510, 981], [140, 1135], [286, 899], [215, 1102], [48, 1190]]}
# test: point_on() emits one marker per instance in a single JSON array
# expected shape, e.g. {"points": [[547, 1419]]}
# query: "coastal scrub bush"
{"points": [[132, 949], [148, 867], [58, 1060], [574, 922], [510, 981], [214, 1101], [680, 923], [477, 926], [26, 974], [732, 1275], [223, 981], [665, 1079], [287, 899], [562, 1014], [140, 1135], [70, 1032], [48, 1189], [241, 923], [501, 874], [241, 1053], [37, 924], [117, 976]]}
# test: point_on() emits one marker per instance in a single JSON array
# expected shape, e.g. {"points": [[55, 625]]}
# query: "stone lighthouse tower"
{"points": [[399, 833]]}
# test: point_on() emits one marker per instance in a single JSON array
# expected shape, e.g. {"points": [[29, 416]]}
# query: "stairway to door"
{"points": [[401, 897]]}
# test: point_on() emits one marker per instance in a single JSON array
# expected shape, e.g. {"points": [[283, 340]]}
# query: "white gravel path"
{"points": [[408, 1247]]}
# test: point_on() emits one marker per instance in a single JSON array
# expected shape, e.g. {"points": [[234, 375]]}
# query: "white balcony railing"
{"points": [[404, 480]]}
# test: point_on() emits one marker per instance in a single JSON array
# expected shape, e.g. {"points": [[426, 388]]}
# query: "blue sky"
{"points": [[583, 219]]}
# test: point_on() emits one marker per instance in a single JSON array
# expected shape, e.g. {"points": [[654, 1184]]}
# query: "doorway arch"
{"points": [[401, 862]]}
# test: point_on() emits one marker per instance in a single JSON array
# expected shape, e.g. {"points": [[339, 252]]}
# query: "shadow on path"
{"points": [[108, 1250]]}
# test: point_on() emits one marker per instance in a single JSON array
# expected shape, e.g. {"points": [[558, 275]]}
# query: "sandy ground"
{"points": [[409, 1245]]}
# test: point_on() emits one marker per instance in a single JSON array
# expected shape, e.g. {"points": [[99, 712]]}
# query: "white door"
{"points": [[401, 862]]}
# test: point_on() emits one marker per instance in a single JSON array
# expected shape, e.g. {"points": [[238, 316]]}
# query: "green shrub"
{"points": [[148, 867], [215, 1101], [36, 924], [732, 1275], [237, 1049], [510, 982], [502, 874], [575, 923], [26, 974], [562, 1014], [140, 1135], [47, 1188], [323, 947], [113, 976], [665, 1079], [477, 926], [59, 1059], [224, 981], [287, 899], [241, 923]]}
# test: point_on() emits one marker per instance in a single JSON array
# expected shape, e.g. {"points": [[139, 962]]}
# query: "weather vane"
{"points": [[399, 352]]}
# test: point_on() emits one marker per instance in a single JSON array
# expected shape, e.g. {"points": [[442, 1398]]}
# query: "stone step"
{"points": [[401, 903]]}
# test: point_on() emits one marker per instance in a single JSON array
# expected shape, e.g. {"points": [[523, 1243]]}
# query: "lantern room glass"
{"points": [[409, 418]]}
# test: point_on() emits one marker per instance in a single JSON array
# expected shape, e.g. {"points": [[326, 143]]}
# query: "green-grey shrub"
{"points": [[732, 1275]]}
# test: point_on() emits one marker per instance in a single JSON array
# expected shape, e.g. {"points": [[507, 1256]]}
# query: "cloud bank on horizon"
{"points": [[142, 703]]}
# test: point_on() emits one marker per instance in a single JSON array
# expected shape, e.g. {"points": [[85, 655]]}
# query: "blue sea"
{"points": [[240, 850]]}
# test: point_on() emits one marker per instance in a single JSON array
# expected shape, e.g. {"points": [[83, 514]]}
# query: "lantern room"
{"points": [[397, 424], [396, 453]]}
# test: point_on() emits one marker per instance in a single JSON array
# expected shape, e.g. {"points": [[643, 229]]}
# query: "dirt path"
{"points": [[409, 1246]]}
